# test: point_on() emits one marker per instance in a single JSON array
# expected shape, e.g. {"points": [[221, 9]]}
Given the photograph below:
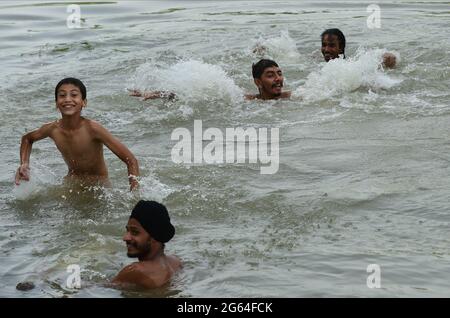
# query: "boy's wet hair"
{"points": [[340, 36], [74, 81], [258, 68]]}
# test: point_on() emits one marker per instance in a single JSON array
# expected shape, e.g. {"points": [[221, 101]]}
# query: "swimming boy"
{"points": [[147, 231], [267, 76], [269, 79], [80, 140], [333, 45]]}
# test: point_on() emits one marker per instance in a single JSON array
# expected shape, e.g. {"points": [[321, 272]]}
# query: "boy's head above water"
{"points": [[259, 68], [73, 81], [70, 96], [268, 77], [333, 44]]}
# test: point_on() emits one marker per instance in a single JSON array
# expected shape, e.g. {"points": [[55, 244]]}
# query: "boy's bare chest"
{"points": [[78, 142]]}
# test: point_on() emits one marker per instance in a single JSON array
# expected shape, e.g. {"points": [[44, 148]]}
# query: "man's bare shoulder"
{"points": [[144, 268], [250, 97], [175, 262], [137, 275], [131, 273], [131, 267], [286, 94]]}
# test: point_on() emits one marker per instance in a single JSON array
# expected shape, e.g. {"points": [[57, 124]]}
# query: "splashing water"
{"points": [[40, 178], [151, 188], [363, 173], [190, 80], [280, 48], [346, 75]]}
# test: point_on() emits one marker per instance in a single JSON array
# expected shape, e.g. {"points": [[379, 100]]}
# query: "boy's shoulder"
{"points": [[95, 128], [51, 125], [92, 124]]}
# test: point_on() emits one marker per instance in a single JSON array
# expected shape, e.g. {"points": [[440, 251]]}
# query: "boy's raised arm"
{"points": [[120, 150], [152, 94], [23, 172]]}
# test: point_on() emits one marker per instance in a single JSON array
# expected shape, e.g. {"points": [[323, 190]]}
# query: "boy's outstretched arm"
{"points": [[120, 150], [23, 172], [152, 95]]}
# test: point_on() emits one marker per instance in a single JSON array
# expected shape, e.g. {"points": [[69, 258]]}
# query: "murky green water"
{"points": [[364, 156]]}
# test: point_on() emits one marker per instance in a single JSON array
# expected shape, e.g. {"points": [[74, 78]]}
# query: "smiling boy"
{"points": [[267, 76], [80, 140], [147, 231], [269, 79], [333, 45]]}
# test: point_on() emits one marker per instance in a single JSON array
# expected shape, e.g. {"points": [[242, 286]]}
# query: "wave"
{"points": [[190, 80], [346, 75], [279, 48]]}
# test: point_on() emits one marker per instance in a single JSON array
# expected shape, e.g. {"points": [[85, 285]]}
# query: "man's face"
{"points": [[271, 82], [330, 47], [69, 99], [137, 239]]}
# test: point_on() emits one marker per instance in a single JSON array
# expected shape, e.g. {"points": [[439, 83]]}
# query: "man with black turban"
{"points": [[148, 229]]}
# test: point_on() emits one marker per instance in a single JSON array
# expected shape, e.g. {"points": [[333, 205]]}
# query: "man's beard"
{"points": [[278, 94], [143, 250]]}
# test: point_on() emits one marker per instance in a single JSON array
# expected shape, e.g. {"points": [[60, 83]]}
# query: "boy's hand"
{"points": [[151, 95], [23, 173], [134, 184], [135, 92], [389, 60]]}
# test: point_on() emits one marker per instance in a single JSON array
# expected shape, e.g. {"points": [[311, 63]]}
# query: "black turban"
{"points": [[155, 219]]}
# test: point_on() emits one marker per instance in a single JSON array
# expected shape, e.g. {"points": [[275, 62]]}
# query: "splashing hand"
{"points": [[134, 184], [23, 173], [145, 95], [135, 92], [389, 60]]}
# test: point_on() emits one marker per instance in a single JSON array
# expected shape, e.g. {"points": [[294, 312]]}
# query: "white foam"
{"points": [[151, 187], [189, 80], [40, 178], [279, 48], [346, 75]]}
